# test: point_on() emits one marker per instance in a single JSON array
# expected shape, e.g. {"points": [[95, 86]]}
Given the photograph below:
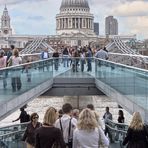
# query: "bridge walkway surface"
{"points": [[126, 84]]}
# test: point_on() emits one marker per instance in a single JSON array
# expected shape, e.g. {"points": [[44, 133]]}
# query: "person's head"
{"points": [[21, 109], [136, 123], [104, 48], [87, 120], [107, 109], [46, 49], [12, 47], [50, 116], [75, 113], [60, 113], [91, 106], [16, 52], [34, 117], [67, 108], [2, 53], [121, 114]]}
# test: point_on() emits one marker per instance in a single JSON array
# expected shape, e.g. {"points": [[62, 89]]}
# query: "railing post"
{"points": [[78, 105]]}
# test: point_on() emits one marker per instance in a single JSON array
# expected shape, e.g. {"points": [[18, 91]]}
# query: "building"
{"points": [[5, 29], [7, 38], [74, 17], [111, 26], [96, 28], [74, 27], [75, 23]]}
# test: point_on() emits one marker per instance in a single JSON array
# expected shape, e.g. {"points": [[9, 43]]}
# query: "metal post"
{"points": [[78, 105]]}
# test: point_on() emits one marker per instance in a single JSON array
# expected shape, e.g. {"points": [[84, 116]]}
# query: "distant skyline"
{"points": [[38, 16]]}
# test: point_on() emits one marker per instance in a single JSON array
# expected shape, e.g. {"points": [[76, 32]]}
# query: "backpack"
{"points": [[9, 54], [27, 118]]}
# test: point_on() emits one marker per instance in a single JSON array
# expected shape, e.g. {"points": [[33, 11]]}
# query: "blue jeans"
{"points": [[66, 60]]}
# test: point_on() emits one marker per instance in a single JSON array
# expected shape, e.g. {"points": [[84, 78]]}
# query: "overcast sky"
{"points": [[38, 16]]}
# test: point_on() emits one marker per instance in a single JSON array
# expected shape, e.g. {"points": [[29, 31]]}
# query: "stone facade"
{"points": [[5, 24], [74, 17], [75, 23]]}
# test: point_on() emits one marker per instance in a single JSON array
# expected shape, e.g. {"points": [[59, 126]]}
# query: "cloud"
{"points": [[136, 8], [10, 2], [36, 18], [138, 25], [131, 15]]}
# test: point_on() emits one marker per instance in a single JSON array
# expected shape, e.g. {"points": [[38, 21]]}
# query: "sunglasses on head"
{"points": [[35, 117]]}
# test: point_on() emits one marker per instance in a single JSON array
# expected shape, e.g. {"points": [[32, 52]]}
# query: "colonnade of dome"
{"points": [[74, 17]]}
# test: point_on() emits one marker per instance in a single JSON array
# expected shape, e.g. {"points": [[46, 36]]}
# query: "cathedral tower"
{"points": [[5, 23]]}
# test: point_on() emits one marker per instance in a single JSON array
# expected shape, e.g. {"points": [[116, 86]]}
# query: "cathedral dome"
{"points": [[74, 3]]}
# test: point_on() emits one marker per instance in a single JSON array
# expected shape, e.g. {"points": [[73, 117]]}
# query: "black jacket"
{"points": [[46, 137], [136, 138], [29, 135]]}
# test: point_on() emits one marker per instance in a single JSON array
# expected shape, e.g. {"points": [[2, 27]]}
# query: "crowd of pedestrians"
{"points": [[74, 57], [72, 128], [7, 59], [77, 57], [68, 128]]}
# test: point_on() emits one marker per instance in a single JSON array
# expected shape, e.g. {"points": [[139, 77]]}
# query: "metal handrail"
{"points": [[11, 134], [14, 125]]}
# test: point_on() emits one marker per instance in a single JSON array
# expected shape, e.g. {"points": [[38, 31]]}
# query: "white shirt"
{"points": [[45, 55], [102, 54], [85, 139], [16, 60], [65, 125]]}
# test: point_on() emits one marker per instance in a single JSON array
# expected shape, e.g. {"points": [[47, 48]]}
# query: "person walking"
{"points": [[107, 116], [65, 55], [23, 117], [9, 53], [121, 117], [48, 136], [82, 60], [89, 59], [88, 134], [137, 135], [56, 59], [102, 54], [29, 135], [44, 56], [91, 107], [67, 124], [15, 60], [3, 64]]}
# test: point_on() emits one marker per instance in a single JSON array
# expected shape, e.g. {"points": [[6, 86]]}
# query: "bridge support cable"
{"points": [[37, 45]]}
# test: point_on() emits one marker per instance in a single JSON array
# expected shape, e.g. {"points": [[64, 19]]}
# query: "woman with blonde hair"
{"points": [[137, 134], [87, 133], [48, 136]]}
